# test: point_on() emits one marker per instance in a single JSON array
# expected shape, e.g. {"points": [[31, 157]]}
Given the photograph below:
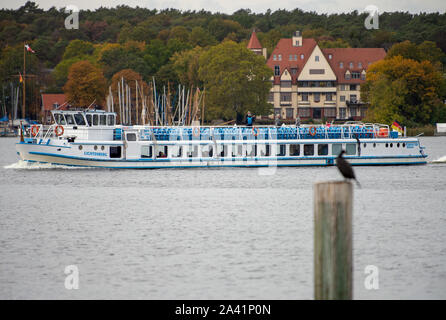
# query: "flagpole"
{"points": [[24, 81]]}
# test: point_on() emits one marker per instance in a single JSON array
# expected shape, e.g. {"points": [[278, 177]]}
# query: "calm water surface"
{"points": [[212, 233]]}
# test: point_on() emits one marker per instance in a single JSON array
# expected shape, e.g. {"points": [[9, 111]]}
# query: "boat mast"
{"points": [[24, 81]]}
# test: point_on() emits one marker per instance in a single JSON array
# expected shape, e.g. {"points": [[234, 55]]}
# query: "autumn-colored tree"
{"points": [[86, 84], [405, 90], [236, 80]]}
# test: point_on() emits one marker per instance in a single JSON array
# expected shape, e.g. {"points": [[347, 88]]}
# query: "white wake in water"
{"points": [[24, 165], [440, 160]]}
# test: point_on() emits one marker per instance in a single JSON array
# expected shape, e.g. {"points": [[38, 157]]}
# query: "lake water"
{"points": [[212, 233]]}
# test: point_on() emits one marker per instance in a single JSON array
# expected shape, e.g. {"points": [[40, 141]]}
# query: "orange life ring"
{"points": [[255, 131], [196, 131], [312, 131], [58, 131], [34, 130], [383, 132]]}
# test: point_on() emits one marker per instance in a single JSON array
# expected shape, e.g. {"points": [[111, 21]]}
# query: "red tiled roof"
{"points": [[354, 55], [285, 48], [254, 42], [49, 99]]}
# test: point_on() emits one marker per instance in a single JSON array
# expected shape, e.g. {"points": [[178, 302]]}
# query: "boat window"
{"points": [[336, 149], [294, 149], [79, 118], [374, 145], [308, 149], [161, 151], [115, 152], [224, 151], [266, 152], [193, 151], [131, 136], [206, 151], [111, 120], [365, 145], [103, 120], [391, 145], [146, 152], [240, 150], [70, 119], [95, 119], [404, 144], [281, 150], [180, 151], [60, 119], [251, 150], [322, 149], [398, 144], [88, 116], [350, 149]]}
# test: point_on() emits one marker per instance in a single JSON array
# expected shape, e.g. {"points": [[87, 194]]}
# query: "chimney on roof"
{"points": [[297, 39]]}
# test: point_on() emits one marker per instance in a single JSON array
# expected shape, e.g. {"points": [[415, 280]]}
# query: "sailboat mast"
{"points": [[24, 81]]}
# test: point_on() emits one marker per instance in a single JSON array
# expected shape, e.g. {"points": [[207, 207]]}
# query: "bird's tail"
{"points": [[358, 184]]}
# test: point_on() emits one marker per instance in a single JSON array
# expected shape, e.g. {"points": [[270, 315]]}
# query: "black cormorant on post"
{"points": [[345, 168]]}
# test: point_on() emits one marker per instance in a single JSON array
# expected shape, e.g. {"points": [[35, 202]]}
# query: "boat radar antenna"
{"points": [[88, 108], [61, 105]]}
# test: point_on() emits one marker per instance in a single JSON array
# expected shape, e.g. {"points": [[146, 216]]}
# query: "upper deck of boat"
{"points": [[100, 125]]}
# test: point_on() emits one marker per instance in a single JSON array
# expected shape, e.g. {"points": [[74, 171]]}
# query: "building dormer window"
{"points": [[295, 57], [330, 56], [347, 76], [297, 43], [341, 65], [290, 58], [351, 65], [274, 57], [277, 70], [316, 58], [302, 57], [356, 75], [359, 65], [280, 57]]}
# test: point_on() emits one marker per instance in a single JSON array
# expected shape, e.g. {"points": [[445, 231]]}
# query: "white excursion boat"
{"points": [[93, 139]]}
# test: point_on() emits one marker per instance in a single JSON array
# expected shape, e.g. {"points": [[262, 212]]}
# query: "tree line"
{"points": [[171, 45]]}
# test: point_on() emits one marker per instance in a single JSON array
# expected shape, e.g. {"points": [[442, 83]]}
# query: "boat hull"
{"points": [[55, 155]]}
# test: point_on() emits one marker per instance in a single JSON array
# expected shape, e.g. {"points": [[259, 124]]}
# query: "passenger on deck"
{"points": [[297, 121], [161, 155], [250, 119], [277, 121]]}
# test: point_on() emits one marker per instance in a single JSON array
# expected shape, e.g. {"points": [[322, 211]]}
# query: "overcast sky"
{"points": [[229, 6]]}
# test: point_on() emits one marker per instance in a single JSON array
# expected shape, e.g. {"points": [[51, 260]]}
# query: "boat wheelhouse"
{"points": [[93, 139]]}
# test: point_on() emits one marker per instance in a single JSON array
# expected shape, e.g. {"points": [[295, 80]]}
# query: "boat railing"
{"points": [[163, 133], [343, 131]]}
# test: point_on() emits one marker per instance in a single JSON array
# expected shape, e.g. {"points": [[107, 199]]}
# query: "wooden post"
{"points": [[333, 206]]}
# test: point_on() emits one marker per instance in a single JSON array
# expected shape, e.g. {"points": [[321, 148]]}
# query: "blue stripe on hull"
{"points": [[233, 166]]}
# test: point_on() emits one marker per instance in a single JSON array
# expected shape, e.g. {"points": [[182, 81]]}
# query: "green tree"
{"points": [[186, 66], [236, 80], [86, 84], [78, 48], [200, 37]]}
